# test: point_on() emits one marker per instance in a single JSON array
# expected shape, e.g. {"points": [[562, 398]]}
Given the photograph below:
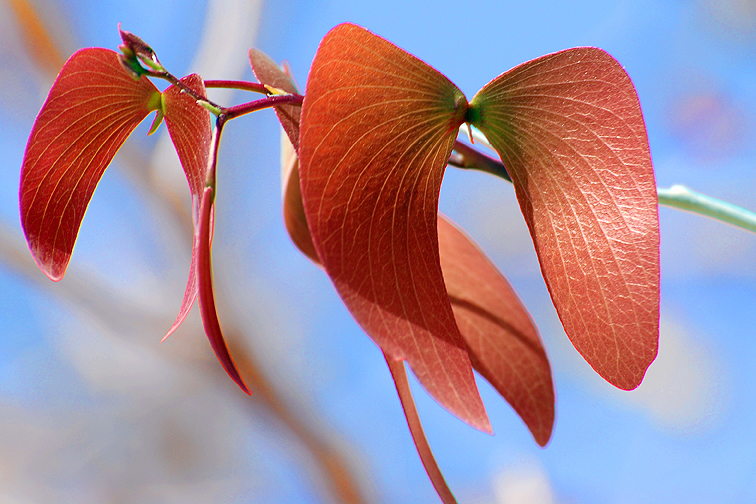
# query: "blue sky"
{"points": [[683, 436]]}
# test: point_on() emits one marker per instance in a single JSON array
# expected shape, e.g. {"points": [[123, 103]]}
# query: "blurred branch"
{"points": [[40, 44], [83, 290], [330, 460]]}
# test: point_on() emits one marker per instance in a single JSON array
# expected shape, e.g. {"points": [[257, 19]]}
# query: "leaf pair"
{"points": [[377, 128], [93, 106]]}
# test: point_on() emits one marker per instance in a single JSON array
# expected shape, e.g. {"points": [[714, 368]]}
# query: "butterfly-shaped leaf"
{"points": [[569, 129], [93, 106], [377, 128]]}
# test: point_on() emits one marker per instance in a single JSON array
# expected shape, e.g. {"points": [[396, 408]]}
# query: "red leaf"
{"points": [[190, 127], [207, 297], [569, 129], [93, 106], [502, 341], [293, 208], [268, 72], [377, 128]]}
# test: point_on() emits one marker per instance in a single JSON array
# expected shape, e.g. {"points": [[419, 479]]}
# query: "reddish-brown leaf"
{"points": [[377, 128], [569, 129], [269, 73], [293, 208], [93, 106], [503, 342], [190, 127], [205, 287]]}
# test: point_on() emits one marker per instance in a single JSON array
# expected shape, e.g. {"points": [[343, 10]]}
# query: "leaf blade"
{"points": [[190, 128], [501, 338], [569, 129], [91, 109], [268, 72], [377, 128]]}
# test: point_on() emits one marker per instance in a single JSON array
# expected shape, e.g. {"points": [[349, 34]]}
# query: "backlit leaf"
{"points": [[503, 342], [190, 128], [378, 126], [293, 208], [205, 286], [399, 374], [268, 72], [93, 106], [569, 129]]}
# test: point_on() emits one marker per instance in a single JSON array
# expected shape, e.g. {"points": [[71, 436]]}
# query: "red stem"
{"points": [[263, 103], [242, 85], [399, 374]]}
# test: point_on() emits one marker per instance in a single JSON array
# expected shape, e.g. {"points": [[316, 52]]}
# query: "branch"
{"points": [[681, 197], [399, 374], [678, 196]]}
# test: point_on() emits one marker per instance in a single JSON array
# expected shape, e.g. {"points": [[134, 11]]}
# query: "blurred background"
{"points": [[93, 408]]}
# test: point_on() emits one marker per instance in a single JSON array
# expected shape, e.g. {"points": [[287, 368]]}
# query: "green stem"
{"points": [[679, 196]]}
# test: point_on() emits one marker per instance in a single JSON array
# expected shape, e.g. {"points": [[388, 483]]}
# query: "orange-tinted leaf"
{"points": [[569, 129], [503, 342], [206, 295], [190, 128], [268, 72], [293, 208], [92, 108], [377, 128]]}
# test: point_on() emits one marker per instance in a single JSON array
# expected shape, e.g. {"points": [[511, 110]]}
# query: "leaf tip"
{"points": [[53, 263]]}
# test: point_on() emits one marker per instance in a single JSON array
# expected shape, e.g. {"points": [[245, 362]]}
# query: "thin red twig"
{"points": [[399, 374]]}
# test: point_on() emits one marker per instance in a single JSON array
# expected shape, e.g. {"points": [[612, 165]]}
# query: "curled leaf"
{"points": [[377, 128], [190, 128], [206, 294], [293, 208], [269, 73], [92, 108], [399, 374], [569, 129]]}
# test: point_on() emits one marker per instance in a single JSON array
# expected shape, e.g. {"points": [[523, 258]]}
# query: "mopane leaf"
{"points": [[205, 286], [502, 341], [190, 127], [377, 128], [399, 374], [293, 208], [268, 72], [569, 129], [93, 106]]}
